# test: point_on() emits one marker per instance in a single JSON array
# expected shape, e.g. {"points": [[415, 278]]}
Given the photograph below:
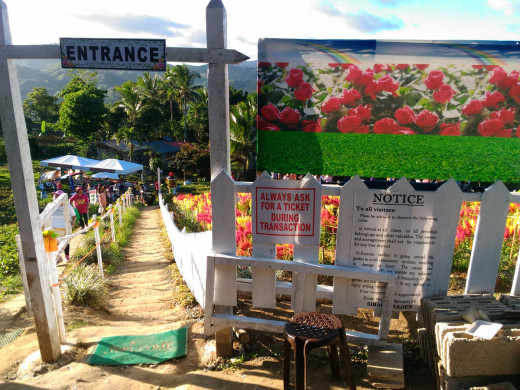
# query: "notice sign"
{"points": [[396, 232], [129, 54], [286, 211]]}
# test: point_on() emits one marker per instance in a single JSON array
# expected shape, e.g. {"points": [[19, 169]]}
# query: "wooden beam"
{"points": [[173, 54], [26, 201]]}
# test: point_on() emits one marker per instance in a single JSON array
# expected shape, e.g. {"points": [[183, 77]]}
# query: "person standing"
{"points": [[170, 183], [102, 196], [80, 201]]}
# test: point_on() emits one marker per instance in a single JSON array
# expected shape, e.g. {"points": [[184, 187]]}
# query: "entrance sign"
{"points": [[129, 54], [399, 232], [286, 211]]}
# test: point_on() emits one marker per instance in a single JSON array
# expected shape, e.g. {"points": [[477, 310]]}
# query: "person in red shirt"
{"points": [[80, 201]]}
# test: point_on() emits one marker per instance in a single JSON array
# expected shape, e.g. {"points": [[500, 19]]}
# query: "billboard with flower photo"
{"points": [[424, 110]]}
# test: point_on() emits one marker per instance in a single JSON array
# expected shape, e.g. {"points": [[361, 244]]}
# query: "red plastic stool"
{"points": [[306, 331]]}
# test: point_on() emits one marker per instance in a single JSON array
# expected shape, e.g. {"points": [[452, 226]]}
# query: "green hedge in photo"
{"points": [[484, 159]]}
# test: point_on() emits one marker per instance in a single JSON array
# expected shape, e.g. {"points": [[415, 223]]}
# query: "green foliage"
{"points": [[243, 134], [86, 287], [388, 155], [191, 158], [9, 264], [11, 285], [40, 106], [3, 153], [82, 110]]}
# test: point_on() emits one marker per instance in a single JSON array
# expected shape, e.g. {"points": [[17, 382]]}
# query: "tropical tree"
{"points": [[40, 106], [127, 135], [130, 98], [185, 91], [198, 118], [82, 112], [242, 127]]}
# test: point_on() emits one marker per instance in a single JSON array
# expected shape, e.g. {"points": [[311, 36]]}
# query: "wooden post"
{"points": [[28, 304], [158, 181], [218, 112], [98, 250], [120, 214], [25, 199], [489, 236], [53, 276], [112, 230]]}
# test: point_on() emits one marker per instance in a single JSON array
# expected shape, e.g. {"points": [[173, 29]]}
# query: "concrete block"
{"points": [[496, 386], [465, 355], [385, 366], [467, 382]]}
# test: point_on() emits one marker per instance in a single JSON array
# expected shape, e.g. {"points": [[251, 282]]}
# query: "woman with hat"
{"points": [[80, 201]]}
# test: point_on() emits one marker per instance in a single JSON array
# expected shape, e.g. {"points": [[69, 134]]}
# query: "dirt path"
{"points": [[143, 302]]}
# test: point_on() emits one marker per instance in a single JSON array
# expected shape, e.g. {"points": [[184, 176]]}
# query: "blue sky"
{"points": [[183, 23]]}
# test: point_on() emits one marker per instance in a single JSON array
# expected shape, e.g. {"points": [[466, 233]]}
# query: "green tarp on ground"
{"points": [[148, 349]]}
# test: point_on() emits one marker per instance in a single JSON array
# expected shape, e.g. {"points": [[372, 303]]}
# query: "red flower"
{"points": [[421, 66], [263, 125], [353, 74], [426, 120], [388, 84], [514, 92], [402, 66], [365, 129], [347, 124], [270, 112], [362, 112], [497, 76], [366, 78], [450, 129], [303, 92], [350, 96], [489, 127], [378, 68], [281, 64], [405, 115], [434, 79], [405, 131], [331, 105], [510, 80], [372, 89], [311, 126], [474, 107], [504, 133], [264, 64], [386, 126], [294, 78], [290, 117], [505, 115], [334, 64], [492, 99], [443, 94]]}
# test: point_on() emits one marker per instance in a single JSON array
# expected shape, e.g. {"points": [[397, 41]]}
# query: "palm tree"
{"points": [[185, 90], [126, 134], [242, 128], [130, 98]]}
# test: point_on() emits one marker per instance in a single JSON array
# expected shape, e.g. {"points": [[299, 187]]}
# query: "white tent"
{"points": [[70, 162], [113, 165]]}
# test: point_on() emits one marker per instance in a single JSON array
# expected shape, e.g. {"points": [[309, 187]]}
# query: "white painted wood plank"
{"points": [[173, 54], [210, 288], [317, 269], [263, 284], [305, 283], [343, 244], [448, 211], [249, 323], [223, 238], [487, 244]]}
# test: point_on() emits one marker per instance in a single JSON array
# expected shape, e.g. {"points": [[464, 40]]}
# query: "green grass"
{"points": [[485, 159]]}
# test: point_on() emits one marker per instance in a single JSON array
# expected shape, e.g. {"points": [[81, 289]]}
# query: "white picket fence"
{"points": [[211, 273]]}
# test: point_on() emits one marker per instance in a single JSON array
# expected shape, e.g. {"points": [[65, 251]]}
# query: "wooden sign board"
{"points": [[128, 54], [286, 211], [402, 232]]}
